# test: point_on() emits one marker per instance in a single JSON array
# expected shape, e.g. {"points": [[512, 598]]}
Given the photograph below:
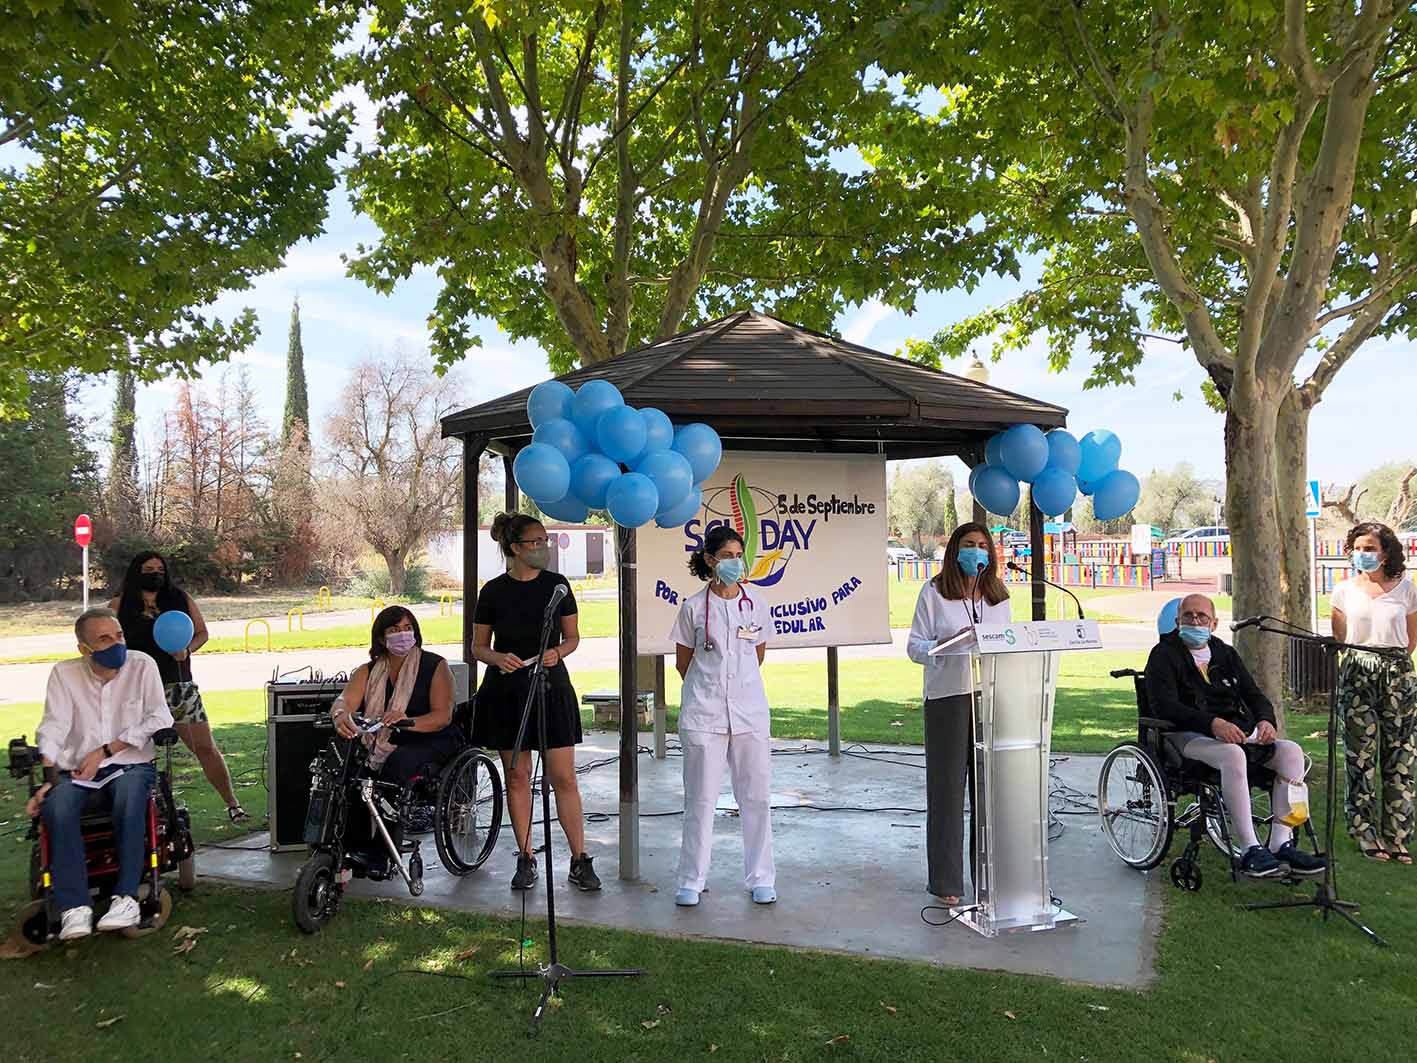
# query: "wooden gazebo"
{"points": [[762, 384]]}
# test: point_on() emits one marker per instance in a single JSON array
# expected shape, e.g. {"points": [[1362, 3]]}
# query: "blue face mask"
{"points": [[1366, 560], [972, 559], [729, 570], [1193, 636], [112, 657]]}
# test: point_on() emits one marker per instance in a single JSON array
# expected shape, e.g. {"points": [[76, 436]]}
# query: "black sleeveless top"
{"points": [[419, 698], [138, 634]]}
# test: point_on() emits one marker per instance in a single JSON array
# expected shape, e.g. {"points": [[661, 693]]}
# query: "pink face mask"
{"points": [[399, 643]]}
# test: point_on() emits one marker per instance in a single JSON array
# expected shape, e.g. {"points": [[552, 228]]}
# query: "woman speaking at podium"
{"points": [[966, 592]]}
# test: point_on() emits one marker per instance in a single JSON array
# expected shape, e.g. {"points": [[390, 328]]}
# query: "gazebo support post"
{"points": [[472, 449], [629, 708], [833, 703], [1036, 569]]}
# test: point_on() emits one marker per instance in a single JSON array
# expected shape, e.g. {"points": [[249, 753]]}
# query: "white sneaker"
{"points": [[76, 923], [123, 912]]}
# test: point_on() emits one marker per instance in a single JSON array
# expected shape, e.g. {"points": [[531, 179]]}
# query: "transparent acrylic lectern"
{"points": [[1016, 675]]}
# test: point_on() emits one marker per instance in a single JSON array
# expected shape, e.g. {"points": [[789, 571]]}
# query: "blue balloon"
{"points": [[1025, 452], [684, 512], [594, 398], [974, 475], [996, 491], [591, 475], [659, 431], [994, 450], [172, 631], [548, 400], [1054, 491], [564, 436], [542, 472], [632, 500], [701, 445], [620, 433], [1099, 452], [1115, 494], [1063, 451], [1085, 487], [672, 476], [1167, 619], [568, 510]]}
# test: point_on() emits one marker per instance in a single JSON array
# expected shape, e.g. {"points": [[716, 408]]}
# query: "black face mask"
{"points": [[152, 581]]}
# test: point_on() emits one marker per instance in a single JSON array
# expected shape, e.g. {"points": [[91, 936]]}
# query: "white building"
{"points": [[577, 551]]}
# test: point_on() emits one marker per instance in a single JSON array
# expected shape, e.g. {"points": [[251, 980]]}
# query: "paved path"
{"points": [[251, 671]]}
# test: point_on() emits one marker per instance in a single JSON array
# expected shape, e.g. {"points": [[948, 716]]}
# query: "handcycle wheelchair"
{"points": [[466, 798], [169, 848], [1142, 793]]}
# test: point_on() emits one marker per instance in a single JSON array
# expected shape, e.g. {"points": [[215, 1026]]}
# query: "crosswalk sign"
{"points": [[1315, 502]]}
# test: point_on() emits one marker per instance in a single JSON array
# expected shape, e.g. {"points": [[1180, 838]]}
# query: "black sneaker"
{"points": [[525, 878], [583, 876], [1259, 862], [1300, 862]]}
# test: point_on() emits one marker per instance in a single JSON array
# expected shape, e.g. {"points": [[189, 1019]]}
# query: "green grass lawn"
{"points": [[1230, 985]]}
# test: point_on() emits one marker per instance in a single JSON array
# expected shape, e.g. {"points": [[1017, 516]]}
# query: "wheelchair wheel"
{"points": [[36, 874], [1185, 875], [1259, 812], [1134, 807], [30, 932], [157, 920], [316, 897], [469, 812]]}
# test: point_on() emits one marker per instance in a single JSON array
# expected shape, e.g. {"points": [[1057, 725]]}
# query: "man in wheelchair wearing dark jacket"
{"points": [[1223, 719]]}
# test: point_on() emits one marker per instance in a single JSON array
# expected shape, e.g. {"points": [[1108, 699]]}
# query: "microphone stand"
{"points": [[1325, 897], [553, 972], [1015, 567]]}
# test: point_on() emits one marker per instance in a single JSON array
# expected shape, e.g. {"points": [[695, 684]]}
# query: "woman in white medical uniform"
{"points": [[720, 636]]}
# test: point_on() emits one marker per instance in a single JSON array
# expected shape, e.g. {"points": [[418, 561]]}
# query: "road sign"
{"points": [[1314, 500], [83, 530]]}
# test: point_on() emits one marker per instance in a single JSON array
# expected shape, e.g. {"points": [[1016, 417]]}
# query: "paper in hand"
{"points": [[953, 641]]}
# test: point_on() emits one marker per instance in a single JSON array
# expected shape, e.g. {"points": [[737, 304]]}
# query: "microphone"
{"points": [[1249, 621], [560, 591], [1015, 567]]}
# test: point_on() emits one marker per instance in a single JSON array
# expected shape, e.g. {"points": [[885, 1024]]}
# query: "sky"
{"points": [[343, 322]]}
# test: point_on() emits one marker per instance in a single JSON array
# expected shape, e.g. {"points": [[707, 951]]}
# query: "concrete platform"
{"points": [[849, 882]]}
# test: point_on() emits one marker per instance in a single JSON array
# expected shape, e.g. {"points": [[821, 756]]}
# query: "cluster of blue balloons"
{"points": [[1058, 466], [591, 451]]}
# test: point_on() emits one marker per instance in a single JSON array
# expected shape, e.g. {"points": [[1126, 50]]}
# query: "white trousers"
{"points": [[749, 759], [1229, 759]]}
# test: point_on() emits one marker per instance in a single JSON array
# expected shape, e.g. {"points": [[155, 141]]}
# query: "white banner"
{"points": [[815, 533]]}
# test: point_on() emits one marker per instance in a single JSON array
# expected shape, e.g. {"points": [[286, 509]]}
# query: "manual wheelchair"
{"points": [[465, 795], [1142, 793], [169, 844]]}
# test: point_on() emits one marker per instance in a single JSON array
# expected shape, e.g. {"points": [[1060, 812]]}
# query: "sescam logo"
{"points": [[774, 526]]}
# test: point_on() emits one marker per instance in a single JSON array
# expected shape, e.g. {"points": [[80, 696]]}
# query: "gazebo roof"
{"points": [[765, 384]]}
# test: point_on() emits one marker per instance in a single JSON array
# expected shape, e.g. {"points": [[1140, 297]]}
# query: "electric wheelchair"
{"points": [[169, 844], [1146, 791], [360, 826]]}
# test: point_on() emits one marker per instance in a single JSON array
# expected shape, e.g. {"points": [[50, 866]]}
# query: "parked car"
{"points": [[1210, 534], [900, 552]]}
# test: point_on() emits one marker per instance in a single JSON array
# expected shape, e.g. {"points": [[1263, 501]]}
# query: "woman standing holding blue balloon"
{"points": [[162, 620], [967, 592]]}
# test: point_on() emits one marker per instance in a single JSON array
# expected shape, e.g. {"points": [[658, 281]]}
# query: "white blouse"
{"points": [[936, 618], [1380, 621], [723, 688]]}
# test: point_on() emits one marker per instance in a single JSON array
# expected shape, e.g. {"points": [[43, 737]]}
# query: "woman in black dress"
{"points": [[401, 680], [506, 636], [148, 591]]}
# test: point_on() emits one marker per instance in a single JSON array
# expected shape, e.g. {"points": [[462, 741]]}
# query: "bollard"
{"points": [[323, 599], [445, 599], [252, 623], [290, 617], [375, 606]]}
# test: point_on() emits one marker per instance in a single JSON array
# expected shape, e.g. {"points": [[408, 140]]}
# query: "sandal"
{"points": [[237, 814], [1378, 854], [1402, 856]]}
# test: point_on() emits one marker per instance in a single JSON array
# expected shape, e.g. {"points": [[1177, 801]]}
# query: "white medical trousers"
{"points": [[748, 758]]}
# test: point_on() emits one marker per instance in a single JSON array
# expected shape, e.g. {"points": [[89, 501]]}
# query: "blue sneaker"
{"points": [[764, 895], [1259, 862], [686, 898], [1300, 862]]}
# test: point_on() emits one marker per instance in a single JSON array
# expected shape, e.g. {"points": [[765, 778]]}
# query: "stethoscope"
{"points": [[743, 600]]}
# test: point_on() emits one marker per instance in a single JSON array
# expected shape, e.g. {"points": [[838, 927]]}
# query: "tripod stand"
{"points": [[554, 972], [1325, 897]]}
